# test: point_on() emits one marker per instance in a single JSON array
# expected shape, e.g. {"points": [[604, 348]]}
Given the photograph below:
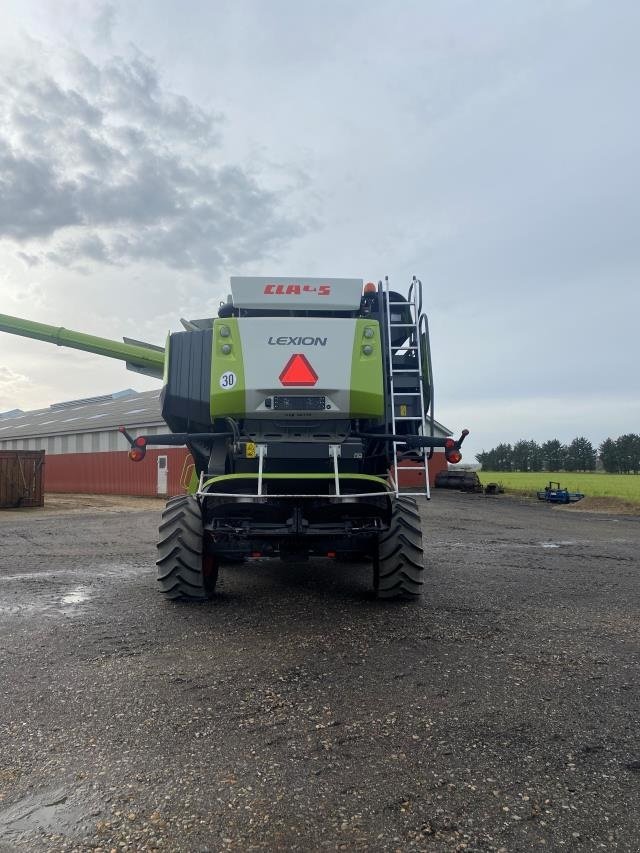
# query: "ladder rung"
{"points": [[405, 370], [403, 325], [403, 349], [409, 418], [406, 393], [402, 303]]}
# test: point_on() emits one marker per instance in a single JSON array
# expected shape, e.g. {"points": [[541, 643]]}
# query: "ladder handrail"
{"points": [[415, 294], [423, 331]]}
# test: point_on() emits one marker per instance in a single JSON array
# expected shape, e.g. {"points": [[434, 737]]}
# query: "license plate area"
{"points": [[299, 404]]}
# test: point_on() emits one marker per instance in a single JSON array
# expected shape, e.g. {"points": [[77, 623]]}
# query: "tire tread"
{"points": [[400, 559], [180, 552]]}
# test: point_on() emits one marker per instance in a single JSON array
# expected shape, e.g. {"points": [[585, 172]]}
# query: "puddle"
{"points": [[65, 592], [17, 609], [101, 570], [78, 595], [25, 576], [49, 811], [27, 598]]}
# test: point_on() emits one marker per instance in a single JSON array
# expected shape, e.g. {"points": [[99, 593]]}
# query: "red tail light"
{"points": [[453, 456], [138, 449], [298, 371]]}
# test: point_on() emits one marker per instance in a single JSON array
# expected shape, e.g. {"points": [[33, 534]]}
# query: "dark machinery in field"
{"points": [[464, 481], [554, 494], [298, 403]]}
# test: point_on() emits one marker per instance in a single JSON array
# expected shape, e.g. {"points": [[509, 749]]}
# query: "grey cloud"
{"points": [[114, 169], [131, 88], [35, 200], [29, 260], [104, 23], [43, 101]]}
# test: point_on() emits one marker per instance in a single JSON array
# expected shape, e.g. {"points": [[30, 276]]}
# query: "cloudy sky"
{"points": [[150, 150]]}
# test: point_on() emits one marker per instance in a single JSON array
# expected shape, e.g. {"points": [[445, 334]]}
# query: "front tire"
{"points": [[398, 567], [184, 570]]}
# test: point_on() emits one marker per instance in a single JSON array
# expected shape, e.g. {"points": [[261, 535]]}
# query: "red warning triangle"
{"points": [[298, 371]]}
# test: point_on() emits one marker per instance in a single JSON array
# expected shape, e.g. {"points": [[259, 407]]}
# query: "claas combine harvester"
{"points": [[298, 403]]}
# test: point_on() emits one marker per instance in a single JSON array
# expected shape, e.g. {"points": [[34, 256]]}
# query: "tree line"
{"points": [[618, 456]]}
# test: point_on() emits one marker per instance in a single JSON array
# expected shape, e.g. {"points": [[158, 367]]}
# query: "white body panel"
{"points": [[307, 294], [269, 342]]}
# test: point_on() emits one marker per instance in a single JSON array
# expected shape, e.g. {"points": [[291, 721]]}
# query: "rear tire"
{"points": [[398, 567], [184, 570]]}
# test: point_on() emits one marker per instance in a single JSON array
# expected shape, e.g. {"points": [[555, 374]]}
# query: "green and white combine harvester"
{"points": [[298, 403]]}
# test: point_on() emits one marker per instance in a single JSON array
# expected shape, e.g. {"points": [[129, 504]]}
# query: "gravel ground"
{"points": [[295, 713]]}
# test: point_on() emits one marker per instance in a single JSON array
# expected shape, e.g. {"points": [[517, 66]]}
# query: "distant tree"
{"points": [[581, 455], [520, 456], [496, 459], [536, 458], [628, 449], [554, 454], [487, 459], [526, 456], [504, 457], [609, 456]]}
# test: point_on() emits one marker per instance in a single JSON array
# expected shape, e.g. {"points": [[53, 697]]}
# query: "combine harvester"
{"points": [[298, 403]]}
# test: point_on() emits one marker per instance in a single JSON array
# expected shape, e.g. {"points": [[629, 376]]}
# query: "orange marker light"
{"points": [[370, 287]]}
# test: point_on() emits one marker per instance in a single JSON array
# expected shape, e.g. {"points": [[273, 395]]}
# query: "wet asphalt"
{"points": [[501, 713]]}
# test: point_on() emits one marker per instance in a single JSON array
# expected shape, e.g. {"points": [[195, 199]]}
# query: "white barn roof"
{"points": [[129, 408]]}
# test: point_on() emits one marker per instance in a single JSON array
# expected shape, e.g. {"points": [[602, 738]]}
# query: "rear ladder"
{"points": [[407, 362]]}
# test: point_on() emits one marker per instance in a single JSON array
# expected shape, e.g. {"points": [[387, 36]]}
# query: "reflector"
{"points": [[298, 371]]}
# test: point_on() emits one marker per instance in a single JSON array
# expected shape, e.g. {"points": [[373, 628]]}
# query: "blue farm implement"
{"points": [[554, 494]]}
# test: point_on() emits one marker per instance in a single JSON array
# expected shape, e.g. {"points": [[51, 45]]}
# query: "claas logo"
{"points": [[296, 289]]}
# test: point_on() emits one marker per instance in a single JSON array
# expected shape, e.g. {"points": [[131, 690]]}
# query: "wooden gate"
{"points": [[21, 478]]}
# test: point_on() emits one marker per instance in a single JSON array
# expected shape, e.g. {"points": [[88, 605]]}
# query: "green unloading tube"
{"points": [[151, 360]]}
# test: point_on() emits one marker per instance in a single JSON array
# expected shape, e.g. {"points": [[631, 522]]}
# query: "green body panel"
{"points": [[367, 388], [377, 481], [194, 482], [165, 369], [227, 401], [150, 360]]}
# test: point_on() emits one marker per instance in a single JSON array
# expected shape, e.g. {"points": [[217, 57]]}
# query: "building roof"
{"points": [[131, 409]]}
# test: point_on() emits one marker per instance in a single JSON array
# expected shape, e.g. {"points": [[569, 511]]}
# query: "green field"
{"points": [[625, 487]]}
